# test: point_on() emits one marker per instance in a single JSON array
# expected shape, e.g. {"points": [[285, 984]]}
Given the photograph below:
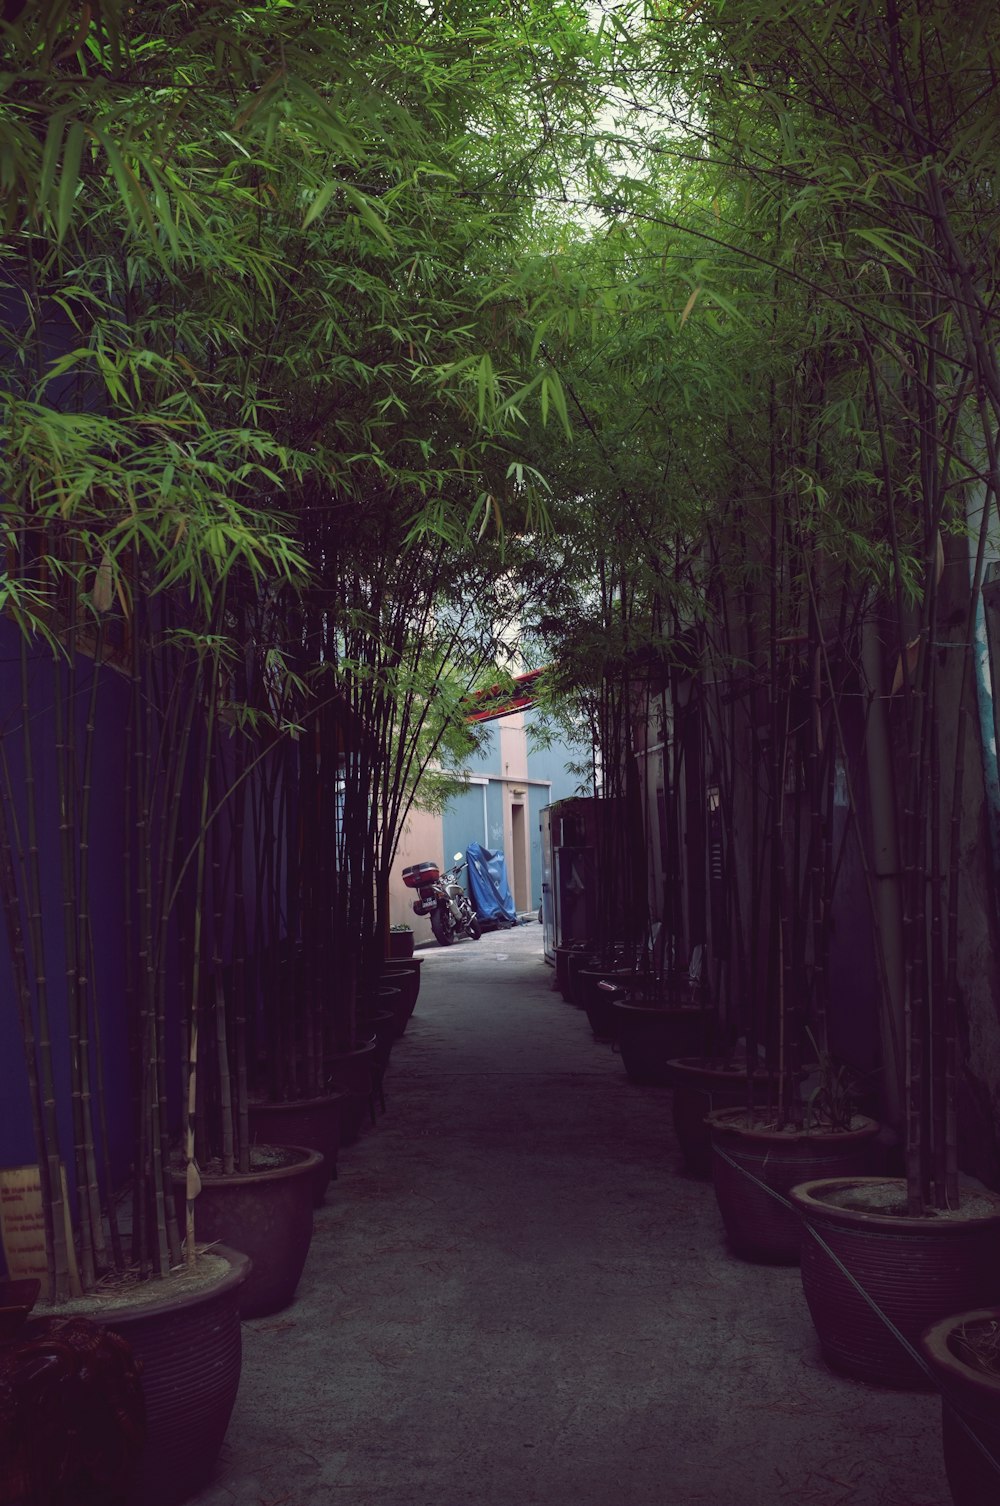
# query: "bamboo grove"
{"points": [[337, 348]]}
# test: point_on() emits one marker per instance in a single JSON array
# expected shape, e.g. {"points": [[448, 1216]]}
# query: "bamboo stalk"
{"points": [[50, 1166], [65, 781]]}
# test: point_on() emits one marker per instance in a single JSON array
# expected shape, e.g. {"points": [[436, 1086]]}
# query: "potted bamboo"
{"points": [[118, 487], [963, 1352], [400, 942]]}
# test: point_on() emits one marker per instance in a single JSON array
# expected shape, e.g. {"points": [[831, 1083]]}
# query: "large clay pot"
{"points": [[915, 1270], [699, 1089], [189, 1352], [747, 1160], [269, 1214], [651, 1035], [404, 977], [970, 1402], [350, 1073], [578, 960], [313, 1122], [382, 1023], [564, 956]]}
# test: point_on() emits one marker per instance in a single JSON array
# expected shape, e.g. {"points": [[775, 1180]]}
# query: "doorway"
{"points": [[519, 858]]}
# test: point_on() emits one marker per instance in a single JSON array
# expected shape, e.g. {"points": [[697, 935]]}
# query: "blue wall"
{"points": [[17, 1145]]}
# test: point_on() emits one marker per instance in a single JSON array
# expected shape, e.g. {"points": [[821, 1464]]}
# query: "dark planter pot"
{"points": [[189, 1352], [404, 977], [916, 1270], [970, 1403], [400, 944], [597, 992], [700, 1089], [652, 1035], [380, 1022], [350, 1073], [564, 956], [269, 1214], [577, 961], [758, 1226], [313, 1122]]}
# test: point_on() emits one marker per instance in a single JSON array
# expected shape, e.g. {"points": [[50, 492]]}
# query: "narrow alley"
{"points": [[514, 1296]]}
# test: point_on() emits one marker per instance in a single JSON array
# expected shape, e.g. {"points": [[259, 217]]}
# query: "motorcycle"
{"points": [[442, 898]]}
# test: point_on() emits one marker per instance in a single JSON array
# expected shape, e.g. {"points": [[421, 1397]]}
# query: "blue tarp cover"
{"points": [[488, 887]]}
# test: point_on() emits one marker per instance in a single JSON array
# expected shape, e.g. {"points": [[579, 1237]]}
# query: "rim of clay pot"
{"points": [[372, 1017], [368, 1044], [735, 1072], [310, 1159], [655, 1006], [239, 1270], [813, 1197], [936, 1344], [727, 1120], [316, 1102]]}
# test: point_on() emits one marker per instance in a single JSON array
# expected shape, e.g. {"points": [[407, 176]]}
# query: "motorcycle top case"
{"points": [[420, 874]]}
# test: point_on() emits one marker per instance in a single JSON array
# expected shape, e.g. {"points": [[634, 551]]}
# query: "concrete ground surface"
{"points": [[515, 1296]]}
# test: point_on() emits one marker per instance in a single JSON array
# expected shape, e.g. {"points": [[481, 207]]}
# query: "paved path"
{"points": [[515, 1297]]}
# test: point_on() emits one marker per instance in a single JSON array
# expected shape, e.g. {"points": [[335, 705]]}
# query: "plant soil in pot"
{"points": [[700, 1087], [915, 1269], [759, 1226], [313, 1122], [350, 1072], [650, 1035], [269, 1212], [963, 1352]]}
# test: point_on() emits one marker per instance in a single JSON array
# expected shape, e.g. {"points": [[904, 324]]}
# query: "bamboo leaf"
{"points": [[882, 241], [103, 591], [688, 307], [319, 203]]}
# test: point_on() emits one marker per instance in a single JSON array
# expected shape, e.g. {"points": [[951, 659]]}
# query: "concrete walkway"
{"points": [[514, 1297]]}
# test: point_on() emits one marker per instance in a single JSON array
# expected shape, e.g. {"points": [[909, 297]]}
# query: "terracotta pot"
{"points": [[269, 1214], [400, 944], [596, 997], [916, 1270], [700, 1089], [314, 1122], [564, 956], [577, 961], [758, 1226], [380, 1021], [970, 1404], [404, 977], [189, 1351], [651, 1035], [350, 1073]]}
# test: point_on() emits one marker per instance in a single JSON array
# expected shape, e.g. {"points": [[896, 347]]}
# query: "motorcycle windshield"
{"points": [[488, 887]]}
